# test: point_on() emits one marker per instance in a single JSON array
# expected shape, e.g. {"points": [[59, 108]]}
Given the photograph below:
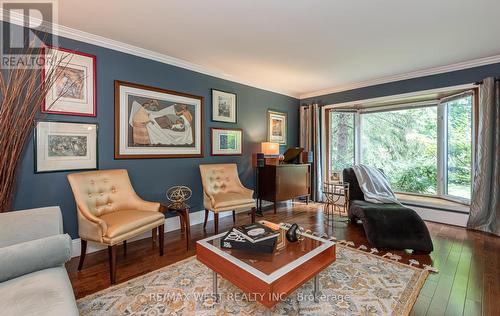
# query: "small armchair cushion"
{"points": [[123, 222], [34, 255], [228, 199]]}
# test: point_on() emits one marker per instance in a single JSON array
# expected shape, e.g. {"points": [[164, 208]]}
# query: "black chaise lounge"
{"points": [[388, 226]]}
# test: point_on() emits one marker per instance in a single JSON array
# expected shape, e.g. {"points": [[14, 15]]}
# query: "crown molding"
{"points": [[82, 36], [409, 75]]}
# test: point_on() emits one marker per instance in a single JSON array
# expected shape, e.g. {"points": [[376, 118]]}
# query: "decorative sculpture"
{"points": [[178, 195]]}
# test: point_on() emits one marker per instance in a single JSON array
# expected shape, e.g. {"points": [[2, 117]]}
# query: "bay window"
{"points": [[424, 148]]}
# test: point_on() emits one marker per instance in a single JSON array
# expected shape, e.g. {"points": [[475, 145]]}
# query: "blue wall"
{"points": [[151, 177], [411, 85]]}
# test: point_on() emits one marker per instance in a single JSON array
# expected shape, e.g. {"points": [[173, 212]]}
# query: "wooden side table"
{"points": [[183, 211]]}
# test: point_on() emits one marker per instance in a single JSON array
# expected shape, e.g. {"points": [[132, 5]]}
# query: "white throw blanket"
{"points": [[374, 185]]}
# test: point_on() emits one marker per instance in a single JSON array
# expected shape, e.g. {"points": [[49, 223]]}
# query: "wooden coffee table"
{"points": [[268, 278]]}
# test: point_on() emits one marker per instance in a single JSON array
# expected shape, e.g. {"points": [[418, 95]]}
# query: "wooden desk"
{"points": [[284, 182]]}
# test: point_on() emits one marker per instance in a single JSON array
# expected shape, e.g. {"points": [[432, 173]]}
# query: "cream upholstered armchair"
{"points": [[223, 191], [110, 212]]}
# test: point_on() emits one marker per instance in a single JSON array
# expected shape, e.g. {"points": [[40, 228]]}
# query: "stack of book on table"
{"points": [[252, 237]]}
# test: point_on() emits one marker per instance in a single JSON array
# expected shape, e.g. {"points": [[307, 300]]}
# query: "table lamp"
{"points": [[270, 149]]}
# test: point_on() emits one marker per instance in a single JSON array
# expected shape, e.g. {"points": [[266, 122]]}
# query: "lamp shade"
{"points": [[268, 148]]}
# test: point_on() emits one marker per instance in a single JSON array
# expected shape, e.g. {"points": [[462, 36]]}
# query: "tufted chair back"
{"points": [[220, 178], [102, 192]]}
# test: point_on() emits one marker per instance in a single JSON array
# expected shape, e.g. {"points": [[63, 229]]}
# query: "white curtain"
{"points": [[310, 140]]}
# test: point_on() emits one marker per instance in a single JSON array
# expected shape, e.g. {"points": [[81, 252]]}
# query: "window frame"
{"points": [[442, 120]]}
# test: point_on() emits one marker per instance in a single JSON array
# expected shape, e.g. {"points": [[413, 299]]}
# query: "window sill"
{"points": [[432, 202]]}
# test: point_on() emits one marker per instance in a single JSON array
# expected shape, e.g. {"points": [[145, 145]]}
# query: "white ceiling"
{"points": [[298, 46]]}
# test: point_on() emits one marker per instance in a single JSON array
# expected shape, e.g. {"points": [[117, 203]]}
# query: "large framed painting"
{"points": [[73, 91], [63, 146], [276, 127], [223, 106], [157, 123], [226, 141]]}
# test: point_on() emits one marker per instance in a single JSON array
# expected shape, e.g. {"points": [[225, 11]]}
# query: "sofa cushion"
{"points": [[26, 225], [45, 292], [123, 222]]}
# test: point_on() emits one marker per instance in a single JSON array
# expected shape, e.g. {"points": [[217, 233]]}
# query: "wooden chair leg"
{"points": [[161, 233], [216, 223], [253, 214], [154, 233], [188, 228], [206, 219], [234, 216], [83, 251], [112, 263], [124, 247]]}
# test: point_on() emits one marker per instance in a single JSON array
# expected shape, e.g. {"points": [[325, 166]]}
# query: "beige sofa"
{"points": [[33, 250]]}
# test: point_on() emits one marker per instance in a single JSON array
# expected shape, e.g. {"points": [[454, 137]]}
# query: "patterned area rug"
{"points": [[358, 283]]}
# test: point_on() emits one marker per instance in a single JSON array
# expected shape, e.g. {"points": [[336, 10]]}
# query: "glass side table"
{"points": [[336, 201]]}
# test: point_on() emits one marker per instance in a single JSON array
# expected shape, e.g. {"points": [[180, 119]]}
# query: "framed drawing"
{"points": [[74, 89], [223, 106], [157, 123], [63, 146], [276, 127], [226, 141]]}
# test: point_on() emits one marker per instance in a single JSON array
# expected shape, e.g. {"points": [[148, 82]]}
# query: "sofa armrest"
{"points": [[34, 255], [26, 225]]}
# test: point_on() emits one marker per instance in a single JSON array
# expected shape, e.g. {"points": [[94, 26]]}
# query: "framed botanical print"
{"points": [[73, 91], [223, 106], [157, 123], [63, 146], [276, 127], [226, 141]]}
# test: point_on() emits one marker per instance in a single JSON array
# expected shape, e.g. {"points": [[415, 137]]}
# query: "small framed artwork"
{"points": [[157, 123], [336, 176], [73, 91], [64, 146], [226, 141], [276, 127], [223, 106]]}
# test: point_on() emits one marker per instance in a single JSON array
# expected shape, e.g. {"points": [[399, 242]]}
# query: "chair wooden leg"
{"points": [[83, 251], [206, 219], [161, 233], [188, 228], [112, 263], [234, 217], [124, 247], [253, 214], [216, 223], [154, 233]]}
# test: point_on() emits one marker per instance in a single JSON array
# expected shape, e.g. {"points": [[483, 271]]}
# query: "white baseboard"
{"points": [[444, 217], [171, 224]]}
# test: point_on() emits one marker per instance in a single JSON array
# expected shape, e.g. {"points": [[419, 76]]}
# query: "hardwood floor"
{"points": [[468, 282]]}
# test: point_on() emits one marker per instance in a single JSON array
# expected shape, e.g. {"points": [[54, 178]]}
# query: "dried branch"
{"points": [[22, 92]]}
